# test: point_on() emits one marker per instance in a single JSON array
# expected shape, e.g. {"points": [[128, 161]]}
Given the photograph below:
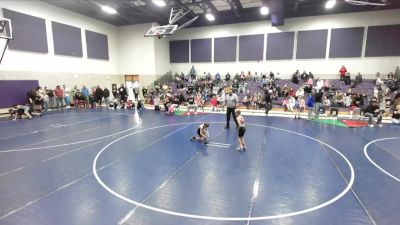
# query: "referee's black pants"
{"points": [[229, 111]]}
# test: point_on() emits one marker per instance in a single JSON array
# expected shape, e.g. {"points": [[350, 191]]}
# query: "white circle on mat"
{"points": [[373, 162], [194, 216]]}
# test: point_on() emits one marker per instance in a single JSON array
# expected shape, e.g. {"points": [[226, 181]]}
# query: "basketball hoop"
{"points": [[5, 35], [161, 31]]}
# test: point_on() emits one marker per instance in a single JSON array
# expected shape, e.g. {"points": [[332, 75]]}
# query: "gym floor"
{"points": [[120, 167]]}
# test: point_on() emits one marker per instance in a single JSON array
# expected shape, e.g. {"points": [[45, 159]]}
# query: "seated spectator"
{"points": [[326, 102], [327, 85], [78, 98], [271, 75], [285, 90], [338, 99], [302, 103], [319, 84], [310, 75], [291, 104], [291, 92], [390, 76], [304, 76], [372, 111], [227, 77], [295, 79], [300, 92], [310, 82], [247, 99], [285, 103], [191, 104]]}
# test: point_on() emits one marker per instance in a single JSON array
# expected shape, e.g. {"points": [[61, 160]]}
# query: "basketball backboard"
{"points": [[160, 31], [5, 28]]}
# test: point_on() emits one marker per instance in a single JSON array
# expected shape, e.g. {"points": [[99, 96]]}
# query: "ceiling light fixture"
{"points": [[108, 9], [330, 4], [159, 3], [210, 17], [264, 10]]}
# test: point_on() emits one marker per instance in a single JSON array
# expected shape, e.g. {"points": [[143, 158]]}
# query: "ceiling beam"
{"points": [[236, 7], [185, 7], [211, 6]]}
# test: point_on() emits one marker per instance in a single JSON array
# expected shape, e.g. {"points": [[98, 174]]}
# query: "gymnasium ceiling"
{"points": [[226, 11]]}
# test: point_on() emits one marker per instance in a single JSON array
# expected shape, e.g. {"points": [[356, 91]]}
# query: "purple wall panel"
{"points": [[280, 46], [16, 91], [311, 44], [97, 45], [67, 40], [225, 49], [200, 50], [383, 41], [29, 32], [346, 42], [179, 51], [251, 47]]}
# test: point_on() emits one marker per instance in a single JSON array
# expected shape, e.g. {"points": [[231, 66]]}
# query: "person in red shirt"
{"points": [[59, 93], [342, 73]]}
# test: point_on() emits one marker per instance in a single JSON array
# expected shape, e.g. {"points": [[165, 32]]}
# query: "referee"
{"points": [[231, 102]]}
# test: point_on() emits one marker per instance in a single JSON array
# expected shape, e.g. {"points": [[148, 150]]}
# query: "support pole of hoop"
{"points": [[4, 50]]}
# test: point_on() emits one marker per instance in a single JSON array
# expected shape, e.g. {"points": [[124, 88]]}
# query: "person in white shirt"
{"points": [[67, 98], [231, 101]]}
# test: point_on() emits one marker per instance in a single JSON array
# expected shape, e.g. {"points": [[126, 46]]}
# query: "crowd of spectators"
{"points": [[194, 92], [313, 95]]}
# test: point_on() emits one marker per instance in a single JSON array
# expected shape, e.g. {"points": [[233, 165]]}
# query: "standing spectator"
{"points": [[231, 101], [310, 104], [106, 95], [85, 95], [99, 95], [228, 78], [67, 97], [268, 101], [73, 92], [217, 77], [46, 100], [144, 93], [52, 99], [318, 102], [59, 93], [136, 93], [342, 73], [193, 73]]}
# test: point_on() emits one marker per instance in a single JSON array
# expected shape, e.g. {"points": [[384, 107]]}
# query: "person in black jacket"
{"points": [[318, 102], [268, 101], [371, 111], [106, 95], [99, 95], [123, 94]]}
